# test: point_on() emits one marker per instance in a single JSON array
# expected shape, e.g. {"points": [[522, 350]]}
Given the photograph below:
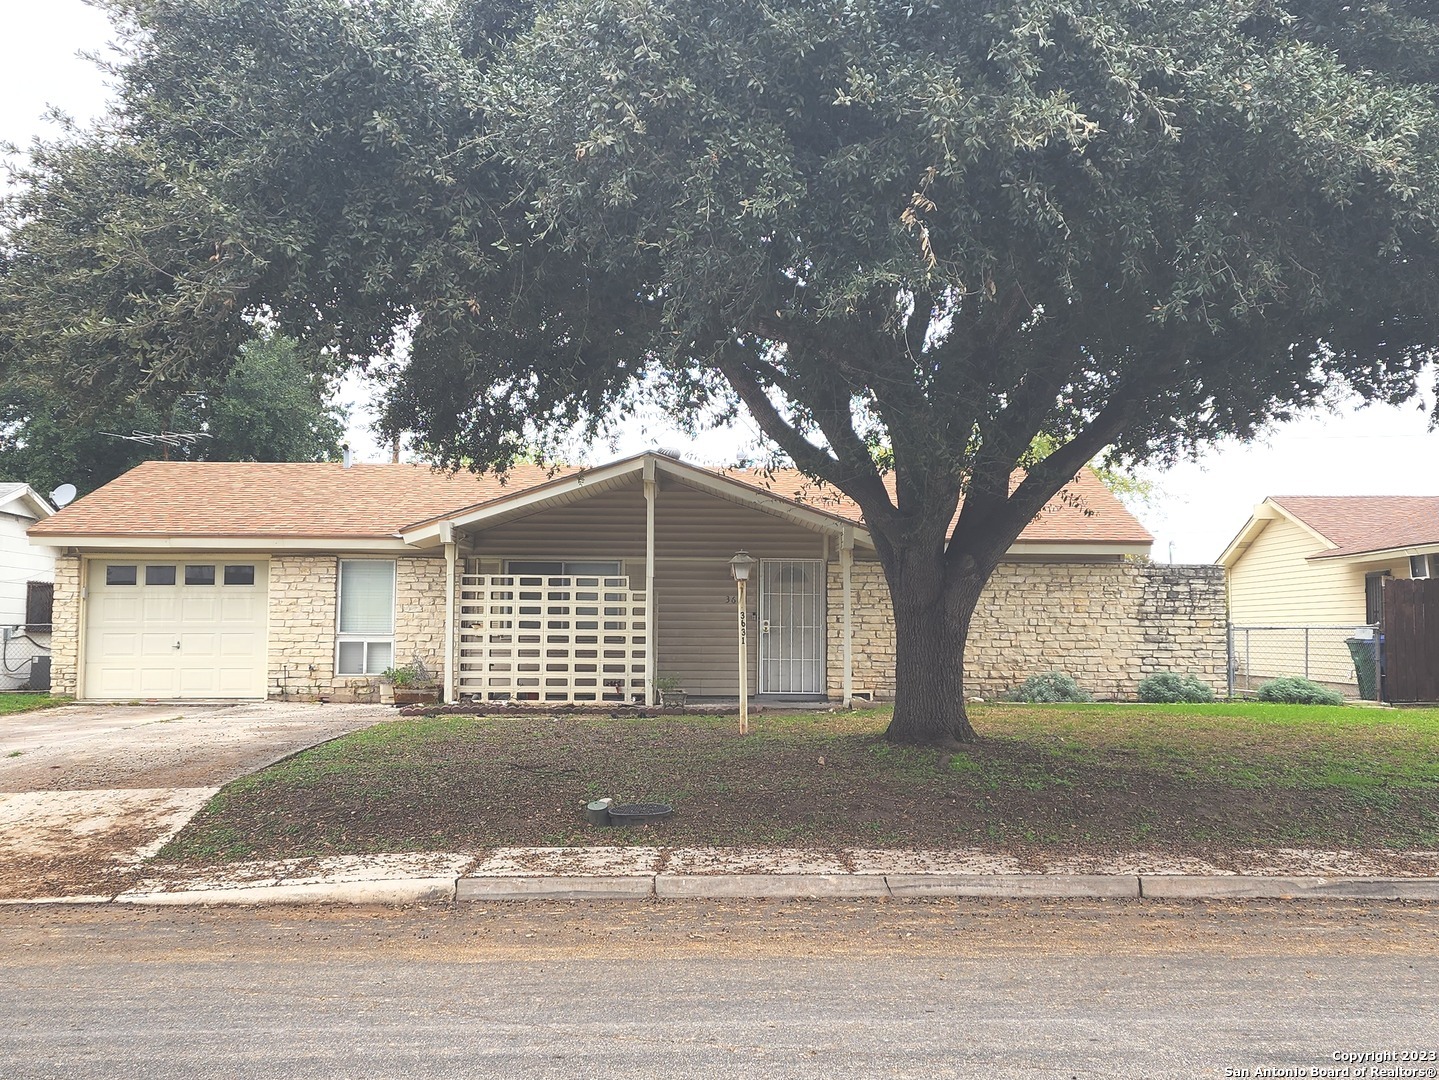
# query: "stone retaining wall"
{"points": [[1107, 624]]}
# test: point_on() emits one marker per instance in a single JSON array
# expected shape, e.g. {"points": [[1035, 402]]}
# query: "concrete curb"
{"points": [[759, 886], [390, 892], [1095, 886], [1186, 887], [632, 887], [555, 888]]}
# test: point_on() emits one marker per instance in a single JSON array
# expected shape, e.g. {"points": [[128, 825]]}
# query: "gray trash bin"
{"points": [[1363, 651]]}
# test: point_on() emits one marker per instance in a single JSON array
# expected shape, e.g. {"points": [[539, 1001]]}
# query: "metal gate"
{"points": [[791, 626], [1411, 639]]}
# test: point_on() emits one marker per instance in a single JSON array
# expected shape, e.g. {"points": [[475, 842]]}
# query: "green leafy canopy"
{"points": [[941, 227]]}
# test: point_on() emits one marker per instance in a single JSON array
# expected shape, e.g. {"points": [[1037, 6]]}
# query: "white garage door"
{"points": [[175, 628]]}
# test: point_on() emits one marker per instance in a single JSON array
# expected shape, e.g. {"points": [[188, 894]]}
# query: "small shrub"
{"points": [[1053, 686], [1167, 688], [1293, 691]]}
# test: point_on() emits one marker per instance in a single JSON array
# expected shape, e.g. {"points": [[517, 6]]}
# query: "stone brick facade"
{"points": [[65, 627], [1106, 624], [303, 599], [304, 596]]}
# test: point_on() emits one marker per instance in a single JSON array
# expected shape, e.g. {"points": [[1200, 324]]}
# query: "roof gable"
{"points": [[22, 499]]}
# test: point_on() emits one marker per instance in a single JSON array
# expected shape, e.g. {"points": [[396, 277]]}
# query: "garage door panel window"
{"points": [[200, 574], [243, 574], [366, 644], [159, 575], [121, 575]]}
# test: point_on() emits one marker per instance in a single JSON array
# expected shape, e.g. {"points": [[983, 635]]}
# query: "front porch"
{"points": [[597, 587]]}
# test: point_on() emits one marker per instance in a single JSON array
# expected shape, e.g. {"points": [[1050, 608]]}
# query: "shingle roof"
{"points": [[322, 501], [1356, 524], [1084, 512], [280, 499]]}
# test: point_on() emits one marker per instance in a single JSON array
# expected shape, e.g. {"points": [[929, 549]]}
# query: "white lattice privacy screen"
{"points": [[551, 639], [791, 613]]}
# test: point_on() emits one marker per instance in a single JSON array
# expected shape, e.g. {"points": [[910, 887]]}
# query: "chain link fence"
{"points": [[1342, 658], [24, 660]]}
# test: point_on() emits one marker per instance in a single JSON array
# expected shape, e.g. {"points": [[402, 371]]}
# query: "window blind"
{"points": [[367, 597]]}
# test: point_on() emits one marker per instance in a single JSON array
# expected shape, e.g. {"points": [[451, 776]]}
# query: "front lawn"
{"points": [[1091, 779], [18, 703]]}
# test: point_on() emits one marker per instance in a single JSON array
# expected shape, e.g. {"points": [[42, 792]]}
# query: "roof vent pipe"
{"points": [[347, 456]]}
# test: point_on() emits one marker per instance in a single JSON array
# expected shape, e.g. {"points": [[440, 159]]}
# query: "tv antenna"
{"points": [[167, 439]]}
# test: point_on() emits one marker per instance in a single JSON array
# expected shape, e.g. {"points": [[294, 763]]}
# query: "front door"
{"points": [[791, 627]]}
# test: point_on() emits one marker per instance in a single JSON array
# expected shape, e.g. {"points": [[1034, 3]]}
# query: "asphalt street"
{"points": [[711, 988]]}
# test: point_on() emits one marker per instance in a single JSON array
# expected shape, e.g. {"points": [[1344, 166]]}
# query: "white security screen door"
{"points": [[791, 626]]}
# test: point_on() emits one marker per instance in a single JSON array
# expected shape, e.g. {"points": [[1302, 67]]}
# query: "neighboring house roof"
{"points": [[328, 501], [1344, 526], [1358, 524], [23, 501]]}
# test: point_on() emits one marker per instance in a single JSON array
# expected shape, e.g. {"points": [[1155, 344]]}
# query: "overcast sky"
{"points": [[1199, 505]]}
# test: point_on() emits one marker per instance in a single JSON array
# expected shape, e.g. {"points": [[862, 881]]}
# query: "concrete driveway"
{"points": [[87, 792]]}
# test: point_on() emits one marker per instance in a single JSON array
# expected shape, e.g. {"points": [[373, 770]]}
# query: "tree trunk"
{"points": [[932, 616]]}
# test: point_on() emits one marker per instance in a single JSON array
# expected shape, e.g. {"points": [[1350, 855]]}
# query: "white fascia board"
{"points": [[1262, 515], [257, 544], [1382, 555], [36, 508]]}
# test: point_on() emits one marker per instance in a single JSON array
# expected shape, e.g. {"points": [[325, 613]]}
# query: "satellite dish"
{"points": [[63, 495]]}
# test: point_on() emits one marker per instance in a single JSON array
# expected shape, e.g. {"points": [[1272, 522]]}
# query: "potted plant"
{"points": [[408, 684], [669, 690]]}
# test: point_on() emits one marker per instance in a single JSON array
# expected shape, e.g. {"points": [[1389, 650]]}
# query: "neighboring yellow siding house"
{"points": [[1320, 562]]}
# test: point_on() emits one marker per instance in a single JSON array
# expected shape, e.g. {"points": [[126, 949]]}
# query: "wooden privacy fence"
{"points": [[1411, 639], [551, 639]]}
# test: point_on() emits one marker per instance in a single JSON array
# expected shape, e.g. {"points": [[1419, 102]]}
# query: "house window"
{"points": [[120, 575], [39, 603], [563, 568], [1424, 566], [159, 575], [365, 644]]}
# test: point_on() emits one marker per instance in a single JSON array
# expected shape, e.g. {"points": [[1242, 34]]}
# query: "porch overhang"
{"points": [[625, 473]]}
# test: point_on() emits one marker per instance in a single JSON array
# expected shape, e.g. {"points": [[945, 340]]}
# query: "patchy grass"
{"points": [[18, 702], [1051, 778]]}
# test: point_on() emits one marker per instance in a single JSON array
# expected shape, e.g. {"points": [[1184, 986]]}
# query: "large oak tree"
{"points": [[939, 228]]}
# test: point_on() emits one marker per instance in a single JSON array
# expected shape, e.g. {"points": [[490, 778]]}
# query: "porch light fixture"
{"points": [[739, 568]]}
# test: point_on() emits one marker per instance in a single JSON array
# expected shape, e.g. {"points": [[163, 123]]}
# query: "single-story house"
{"points": [[246, 580], [27, 575], [1306, 576], [1321, 560]]}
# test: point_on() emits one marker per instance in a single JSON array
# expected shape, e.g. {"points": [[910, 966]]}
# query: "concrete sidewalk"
{"points": [[634, 873]]}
